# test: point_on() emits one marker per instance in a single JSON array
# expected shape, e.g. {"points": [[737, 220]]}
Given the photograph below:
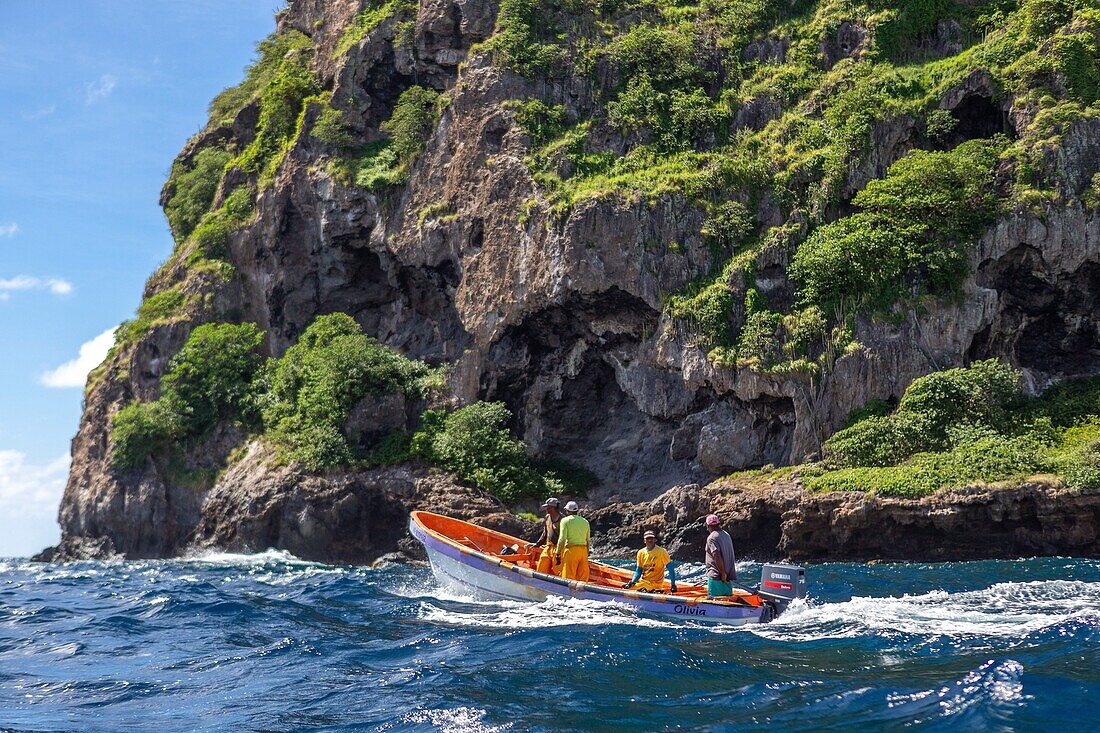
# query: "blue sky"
{"points": [[96, 99]]}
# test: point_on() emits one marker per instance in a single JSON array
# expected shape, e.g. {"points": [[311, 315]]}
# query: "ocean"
{"points": [[270, 643]]}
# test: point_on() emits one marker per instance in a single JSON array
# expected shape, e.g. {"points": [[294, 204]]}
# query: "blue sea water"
{"points": [[270, 643]]}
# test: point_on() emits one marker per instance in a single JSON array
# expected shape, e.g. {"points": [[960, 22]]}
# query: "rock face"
{"points": [[785, 521], [561, 316], [339, 518]]}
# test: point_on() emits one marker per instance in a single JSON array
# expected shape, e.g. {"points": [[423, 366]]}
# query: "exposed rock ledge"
{"points": [[783, 520], [359, 517]]}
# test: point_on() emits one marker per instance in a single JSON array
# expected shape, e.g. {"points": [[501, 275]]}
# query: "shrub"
{"points": [[312, 388], [1043, 17], [1078, 461], [1076, 58], [331, 129], [762, 339], [1067, 403], [981, 395], [210, 379], [872, 408], [411, 121], [940, 125], [387, 162], [192, 189], [969, 425], [393, 449], [876, 441], [211, 236], [211, 376], [540, 121], [474, 443], [805, 330], [520, 41], [664, 55], [378, 167], [676, 120], [730, 223], [139, 430], [992, 458], [908, 23], [910, 234], [707, 311]]}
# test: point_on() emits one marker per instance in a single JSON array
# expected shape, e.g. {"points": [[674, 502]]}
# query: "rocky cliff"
{"points": [[599, 195]]}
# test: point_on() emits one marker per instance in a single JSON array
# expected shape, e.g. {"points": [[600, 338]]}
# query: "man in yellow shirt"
{"points": [[649, 575], [574, 534]]}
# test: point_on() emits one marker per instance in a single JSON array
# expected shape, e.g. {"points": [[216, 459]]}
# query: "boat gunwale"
{"points": [[575, 585]]}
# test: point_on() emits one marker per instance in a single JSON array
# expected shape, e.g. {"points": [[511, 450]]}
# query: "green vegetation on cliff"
{"points": [[774, 108], [473, 443], [308, 393], [965, 426], [303, 401], [278, 83], [212, 189], [209, 380], [765, 122], [910, 236], [384, 162]]}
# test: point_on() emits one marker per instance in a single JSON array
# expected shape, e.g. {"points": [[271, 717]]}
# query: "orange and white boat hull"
{"points": [[474, 570]]}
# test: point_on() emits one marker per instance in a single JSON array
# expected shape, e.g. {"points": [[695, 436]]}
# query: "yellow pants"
{"points": [[574, 563], [545, 562]]}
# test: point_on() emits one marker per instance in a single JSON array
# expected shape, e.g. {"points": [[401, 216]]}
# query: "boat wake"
{"points": [[520, 615], [1003, 610]]}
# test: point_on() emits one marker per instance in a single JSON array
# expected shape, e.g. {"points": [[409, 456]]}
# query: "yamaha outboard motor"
{"points": [[781, 584]]}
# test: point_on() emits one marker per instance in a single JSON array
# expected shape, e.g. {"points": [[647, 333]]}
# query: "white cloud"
{"points": [[9, 230], [74, 373], [29, 496], [29, 488], [40, 113], [55, 285], [59, 287], [99, 89]]}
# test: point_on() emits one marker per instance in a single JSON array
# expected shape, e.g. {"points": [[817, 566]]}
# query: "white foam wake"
{"points": [[554, 611], [1002, 610], [267, 557]]}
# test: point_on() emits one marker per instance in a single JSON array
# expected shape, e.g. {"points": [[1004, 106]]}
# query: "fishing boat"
{"points": [[490, 564]]}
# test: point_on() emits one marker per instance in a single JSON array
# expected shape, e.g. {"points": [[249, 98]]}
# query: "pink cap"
{"points": [[712, 519]]}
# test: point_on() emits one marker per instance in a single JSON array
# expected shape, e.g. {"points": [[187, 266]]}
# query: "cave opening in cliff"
{"points": [[1047, 321], [557, 372], [1059, 335], [977, 117], [596, 425]]}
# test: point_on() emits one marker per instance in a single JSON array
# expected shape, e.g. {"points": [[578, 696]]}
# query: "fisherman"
{"points": [[548, 540], [650, 570], [573, 536], [719, 559]]}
